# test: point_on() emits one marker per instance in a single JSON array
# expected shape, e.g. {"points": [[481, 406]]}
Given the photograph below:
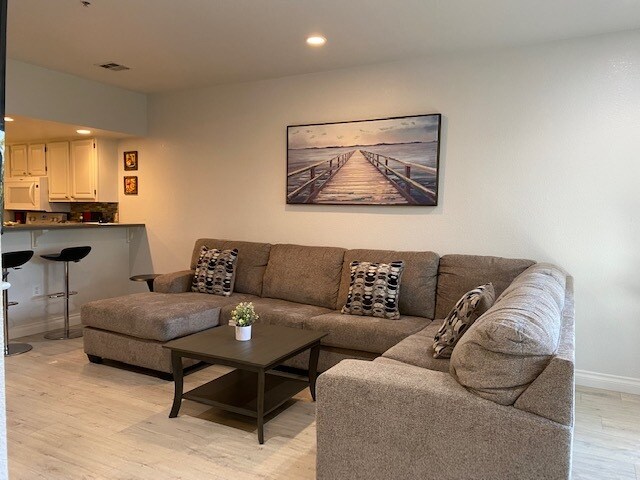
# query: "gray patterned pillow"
{"points": [[215, 271], [374, 289], [466, 311]]}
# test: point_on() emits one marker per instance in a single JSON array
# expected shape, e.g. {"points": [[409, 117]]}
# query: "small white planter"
{"points": [[243, 333]]}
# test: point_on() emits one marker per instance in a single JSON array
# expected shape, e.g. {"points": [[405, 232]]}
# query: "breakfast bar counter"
{"points": [[21, 227], [116, 249]]}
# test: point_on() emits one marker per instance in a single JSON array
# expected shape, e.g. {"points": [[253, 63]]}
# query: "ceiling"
{"points": [[25, 129], [180, 44]]}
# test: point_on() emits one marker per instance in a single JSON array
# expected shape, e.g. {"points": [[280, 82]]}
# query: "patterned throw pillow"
{"points": [[215, 271], [374, 289], [466, 311]]}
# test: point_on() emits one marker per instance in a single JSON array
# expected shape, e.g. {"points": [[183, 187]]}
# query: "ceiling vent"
{"points": [[115, 67]]}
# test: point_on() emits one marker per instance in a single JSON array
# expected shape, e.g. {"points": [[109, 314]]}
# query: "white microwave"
{"points": [[27, 193]]}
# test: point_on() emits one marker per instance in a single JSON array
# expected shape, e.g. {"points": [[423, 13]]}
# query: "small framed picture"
{"points": [[131, 161], [131, 185]]}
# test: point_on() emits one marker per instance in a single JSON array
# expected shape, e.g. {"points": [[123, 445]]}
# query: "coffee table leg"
{"points": [[176, 366], [260, 412], [313, 369]]}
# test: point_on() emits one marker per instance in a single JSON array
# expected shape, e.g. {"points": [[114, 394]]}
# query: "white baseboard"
{"points": [[608, 382], [17, 331]]}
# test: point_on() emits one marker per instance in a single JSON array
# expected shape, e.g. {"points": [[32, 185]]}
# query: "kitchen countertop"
{"points": [[67, 226]]}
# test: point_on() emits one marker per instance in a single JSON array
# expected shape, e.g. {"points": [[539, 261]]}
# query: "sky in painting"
{"points": [[371, 132]]}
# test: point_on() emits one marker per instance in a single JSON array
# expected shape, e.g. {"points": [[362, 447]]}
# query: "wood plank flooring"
{"points": [[69, 419]]}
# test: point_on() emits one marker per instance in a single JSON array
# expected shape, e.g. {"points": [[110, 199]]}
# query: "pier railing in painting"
{"points": [[403, 181], [319, 174]]}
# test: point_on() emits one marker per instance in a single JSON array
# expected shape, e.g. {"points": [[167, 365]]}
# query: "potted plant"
{"points": [[243, 316]]}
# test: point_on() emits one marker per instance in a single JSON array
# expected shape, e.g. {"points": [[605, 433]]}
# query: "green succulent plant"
{"points": [[244, 314]]}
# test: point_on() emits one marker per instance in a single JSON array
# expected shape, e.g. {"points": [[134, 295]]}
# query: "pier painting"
{"points": [[392, 161]]}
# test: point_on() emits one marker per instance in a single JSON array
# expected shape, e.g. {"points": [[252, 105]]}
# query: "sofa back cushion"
{"points": [[304, 274], [418, 285], [513, 342], [251, 264], [460, 273]]}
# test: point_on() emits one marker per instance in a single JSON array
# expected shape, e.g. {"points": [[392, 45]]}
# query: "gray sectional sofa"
{"points": [[290, 285], [501, 408]]}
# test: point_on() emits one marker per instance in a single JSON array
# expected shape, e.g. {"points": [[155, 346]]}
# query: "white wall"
{"points": [[45, 94], [539, 160]]}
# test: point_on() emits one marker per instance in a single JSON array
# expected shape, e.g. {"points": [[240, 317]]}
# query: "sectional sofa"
{"points": [[290, 285], [502, 407]]}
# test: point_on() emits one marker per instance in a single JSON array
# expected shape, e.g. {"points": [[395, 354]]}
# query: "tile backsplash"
{"points": [[106, 210]]}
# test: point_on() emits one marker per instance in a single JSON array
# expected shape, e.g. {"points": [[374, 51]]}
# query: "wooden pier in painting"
{"points": [[362, 177]]}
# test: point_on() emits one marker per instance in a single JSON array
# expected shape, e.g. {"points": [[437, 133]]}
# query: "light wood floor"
{"points": [[68, 419]]}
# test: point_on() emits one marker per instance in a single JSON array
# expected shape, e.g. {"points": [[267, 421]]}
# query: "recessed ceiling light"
{"points": [[82, 131], [316, 40], [8, 119]]}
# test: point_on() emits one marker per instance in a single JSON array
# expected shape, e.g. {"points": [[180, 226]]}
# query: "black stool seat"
{"points": [[16, 259], [71, 254]]}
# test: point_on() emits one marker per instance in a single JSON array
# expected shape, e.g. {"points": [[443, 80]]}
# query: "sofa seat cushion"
{"points": [[369, 334], [251, 264], [273, 311], [513, 342], [417, 349], [152, 316], [460, 273], [418, 288], [302, 274]]}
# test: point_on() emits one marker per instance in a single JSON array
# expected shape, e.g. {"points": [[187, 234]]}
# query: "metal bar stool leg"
{"points": [[10, 348], [66, 332]]}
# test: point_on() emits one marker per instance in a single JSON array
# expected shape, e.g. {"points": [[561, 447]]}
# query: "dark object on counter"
{"points": [[86, 216], [19, 217], [71, 254], [12, 260], [149, 278]]}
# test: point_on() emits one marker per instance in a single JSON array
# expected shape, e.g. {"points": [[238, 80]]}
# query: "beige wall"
{"points": [[38, 92], [539, 160]]}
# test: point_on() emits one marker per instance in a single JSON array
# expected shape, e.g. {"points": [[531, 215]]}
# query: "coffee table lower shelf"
{"points": [[237, 392]]}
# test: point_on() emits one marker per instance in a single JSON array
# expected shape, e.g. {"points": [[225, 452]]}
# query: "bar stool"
{"points": [[72, 254], [12, 260]]}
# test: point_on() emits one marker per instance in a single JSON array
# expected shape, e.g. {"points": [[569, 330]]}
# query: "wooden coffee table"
{"points": [[248, 390]]}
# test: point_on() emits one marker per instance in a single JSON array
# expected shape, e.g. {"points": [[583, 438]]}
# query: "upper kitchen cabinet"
{"points": [[59, 176], [27, 160], [90, 168]]}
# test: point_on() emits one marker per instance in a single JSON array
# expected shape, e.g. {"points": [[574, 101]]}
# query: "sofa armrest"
{"points": [[379, 421], [176, 282]]}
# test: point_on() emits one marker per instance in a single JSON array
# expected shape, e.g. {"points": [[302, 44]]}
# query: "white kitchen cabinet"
{"points": [[59, 175], [18, 165], [36, 160], [83, 170], [28, 160], [93, 170]]}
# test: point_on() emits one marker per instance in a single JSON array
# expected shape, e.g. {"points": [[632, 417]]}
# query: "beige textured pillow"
{"points": [[513, 342], [472, 304]]}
